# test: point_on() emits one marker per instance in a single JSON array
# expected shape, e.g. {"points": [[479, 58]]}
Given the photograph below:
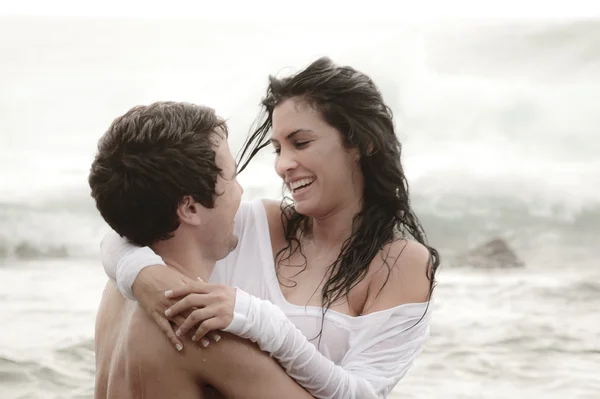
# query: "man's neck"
{"points": [[186, 256]]}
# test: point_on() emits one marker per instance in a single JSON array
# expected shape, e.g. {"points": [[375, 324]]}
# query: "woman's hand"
{"points": [[211, 307], [149, 290]]}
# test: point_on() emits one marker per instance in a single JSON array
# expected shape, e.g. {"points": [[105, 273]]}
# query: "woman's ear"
{"points": [[371, 149], [354, 154]]}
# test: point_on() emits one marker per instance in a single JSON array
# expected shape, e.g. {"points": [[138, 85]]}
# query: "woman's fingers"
{"points": [[178, 320], [204, 328], [201, 305], [190, 302], [196, 317], [194, 287], [165, 326], [216, 337]]}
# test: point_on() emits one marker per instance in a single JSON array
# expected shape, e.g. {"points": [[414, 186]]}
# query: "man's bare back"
{"points": [[135, 360]]}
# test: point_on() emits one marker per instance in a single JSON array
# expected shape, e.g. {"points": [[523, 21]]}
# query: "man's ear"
{"points": [[188, 211]]}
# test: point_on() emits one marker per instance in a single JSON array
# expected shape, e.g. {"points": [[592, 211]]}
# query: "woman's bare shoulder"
{"points": [[400, 274]]}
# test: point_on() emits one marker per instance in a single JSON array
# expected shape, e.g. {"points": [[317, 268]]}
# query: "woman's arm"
{"points": [[123, 261], [372, 372], [381, 356], [384, 351]]}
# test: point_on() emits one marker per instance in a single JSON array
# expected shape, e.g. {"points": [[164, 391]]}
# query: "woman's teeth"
{"points": [[298, 184]]}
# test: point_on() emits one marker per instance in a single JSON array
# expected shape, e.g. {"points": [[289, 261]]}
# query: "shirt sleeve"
{"points": [[123, 261], [381, 353]]}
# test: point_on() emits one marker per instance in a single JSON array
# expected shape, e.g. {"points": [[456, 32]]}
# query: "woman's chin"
{"points": [[304, 208]]}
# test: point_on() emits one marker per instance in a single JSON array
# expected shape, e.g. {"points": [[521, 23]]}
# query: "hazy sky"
{"points": [[404, 9], [514, 100]]}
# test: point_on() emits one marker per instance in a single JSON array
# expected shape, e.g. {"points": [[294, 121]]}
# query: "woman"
{"points": [[345, 263]]}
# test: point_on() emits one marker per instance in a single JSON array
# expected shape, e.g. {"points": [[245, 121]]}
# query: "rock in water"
{"points": [[495, 254]]}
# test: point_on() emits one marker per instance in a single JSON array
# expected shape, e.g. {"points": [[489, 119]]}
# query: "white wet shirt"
{"points": [[357, 357]]}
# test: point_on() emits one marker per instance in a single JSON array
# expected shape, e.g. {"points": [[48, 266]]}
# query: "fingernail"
{"points": [[200, 280], [179, 347], [168, 293], [194, 338], [178, 333], [205, 342], [217, 337], [168, 312]]}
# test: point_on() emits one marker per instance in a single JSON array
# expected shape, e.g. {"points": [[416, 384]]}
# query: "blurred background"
{"points": [[499, 119]]}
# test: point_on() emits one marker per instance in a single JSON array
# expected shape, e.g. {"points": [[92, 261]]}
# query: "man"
{"points": [[164, 177]]}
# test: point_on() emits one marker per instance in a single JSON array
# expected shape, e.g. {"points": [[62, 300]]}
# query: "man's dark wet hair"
{"points": [[148, 160]]}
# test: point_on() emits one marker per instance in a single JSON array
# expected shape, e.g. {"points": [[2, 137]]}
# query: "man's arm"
{"points": [[237, 368]]}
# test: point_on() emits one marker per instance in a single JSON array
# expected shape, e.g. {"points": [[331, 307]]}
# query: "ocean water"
{"points": [[499, 122]]}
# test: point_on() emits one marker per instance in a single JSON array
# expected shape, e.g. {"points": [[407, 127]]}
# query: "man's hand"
{"points": [[211, 307], [149, 290]]}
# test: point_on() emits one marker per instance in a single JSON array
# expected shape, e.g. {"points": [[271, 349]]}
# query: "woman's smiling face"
{"points": [[318, 170]]}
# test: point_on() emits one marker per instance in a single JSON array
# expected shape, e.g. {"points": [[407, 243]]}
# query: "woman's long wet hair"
{"points": [[349, 101]]}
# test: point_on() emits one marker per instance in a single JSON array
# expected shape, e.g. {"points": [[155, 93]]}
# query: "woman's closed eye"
{"points": [[298, 145], [301, 144]]}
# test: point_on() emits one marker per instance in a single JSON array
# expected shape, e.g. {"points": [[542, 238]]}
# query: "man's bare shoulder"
{"points": [[133, 356], [148, 345]]}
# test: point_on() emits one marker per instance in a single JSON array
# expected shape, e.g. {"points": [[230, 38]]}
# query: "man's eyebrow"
{"points": [[292, 134]]}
